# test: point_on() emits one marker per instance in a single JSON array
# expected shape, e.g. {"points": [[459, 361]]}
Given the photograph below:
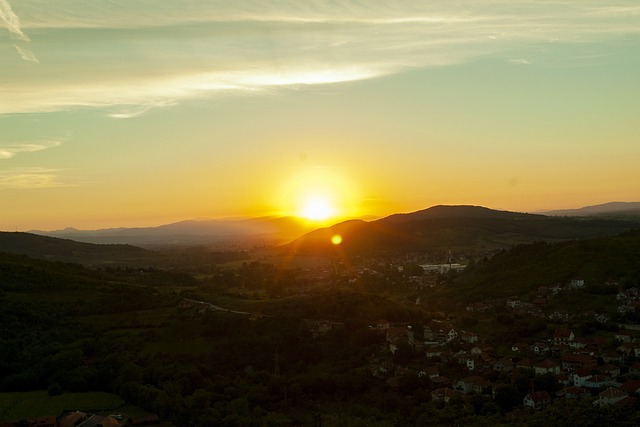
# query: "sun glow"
{"points": [[317, 208], [320, 195]]}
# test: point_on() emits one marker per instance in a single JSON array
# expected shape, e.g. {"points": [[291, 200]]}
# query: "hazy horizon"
{"points": [[127, 113]]}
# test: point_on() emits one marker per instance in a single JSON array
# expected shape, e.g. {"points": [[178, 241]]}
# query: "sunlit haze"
{"points": [[133, 113]]}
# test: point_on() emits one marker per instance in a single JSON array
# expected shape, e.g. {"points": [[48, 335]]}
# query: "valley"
{"points": [[335, 336]]}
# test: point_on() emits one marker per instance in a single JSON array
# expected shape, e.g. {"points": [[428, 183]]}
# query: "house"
{"points": [[519, 347], [44, 421], [562, 336], [72, 419], [503, 365], [627, 349], [635, 368], [433, 352], [615, 357], [564, 380], [99, 421], [543, 290], [468, 337], [537, 400], [609, 370], [546, 367], [399, 334], [610, 396], [554, 289], [576, 283], [440, 332], [623, 335], [473, 384], [560, 316], [580, 377], [631, 387], [513, 302], [574, 361], [432, 372], [573, 393], [464, 358], [540, 347], [540, 302], [524, 364], [444, 394], [597, 382], [579, 343]]}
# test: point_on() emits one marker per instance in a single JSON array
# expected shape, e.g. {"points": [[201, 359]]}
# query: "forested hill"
{"points": [[520, 270], [56, 249], [458, 227]]}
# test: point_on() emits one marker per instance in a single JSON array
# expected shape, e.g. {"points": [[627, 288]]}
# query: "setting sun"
{"points": [[317, 208], [318, 194]]}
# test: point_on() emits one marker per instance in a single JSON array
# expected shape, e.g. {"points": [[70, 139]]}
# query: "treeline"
{"points": [[521, 269]]}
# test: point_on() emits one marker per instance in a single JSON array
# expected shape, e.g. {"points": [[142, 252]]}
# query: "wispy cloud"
{"points": [[10, 150], [131, 56], [14, 26], [521, 61], [12, 21], [26, 54], [31, 178]]}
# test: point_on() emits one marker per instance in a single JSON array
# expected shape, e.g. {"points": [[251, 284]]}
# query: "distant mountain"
{"points": [[455, 211], [205, 231], [468, 228], [56, 249], [608, 209]]}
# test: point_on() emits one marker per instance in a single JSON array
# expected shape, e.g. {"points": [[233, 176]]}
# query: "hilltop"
{"points": [[56, 249], [467, 228]]}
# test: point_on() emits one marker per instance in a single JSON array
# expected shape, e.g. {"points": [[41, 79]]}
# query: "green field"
{"points": [[17, 406]]}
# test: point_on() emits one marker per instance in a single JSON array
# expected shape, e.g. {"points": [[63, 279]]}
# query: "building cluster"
{"points": [[602, 369]]}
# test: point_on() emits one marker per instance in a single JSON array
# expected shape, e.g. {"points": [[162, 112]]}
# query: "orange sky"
{"points": [[117, 115]]}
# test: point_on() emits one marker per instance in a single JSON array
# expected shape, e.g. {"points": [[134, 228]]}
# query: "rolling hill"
{"points": [[468, 228], [246, 232], [612, 209], [520, 270], [56, 249]]}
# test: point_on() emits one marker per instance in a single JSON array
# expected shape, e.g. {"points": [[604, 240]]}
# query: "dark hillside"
{"points": [[518, 271], [458, 211], [56, 249], [468, 228]]}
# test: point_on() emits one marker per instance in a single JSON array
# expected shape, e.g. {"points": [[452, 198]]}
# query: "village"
{"points": [[603, 368]]}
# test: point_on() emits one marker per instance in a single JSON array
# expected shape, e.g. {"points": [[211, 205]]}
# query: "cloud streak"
{"points": [[12, 21], [30, 178], [8, 151], [131, 56], [14, 26]]}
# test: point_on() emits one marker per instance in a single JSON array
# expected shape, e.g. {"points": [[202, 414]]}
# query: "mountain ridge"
{"points": [[463, 227], [601, 209], [191, 231]]}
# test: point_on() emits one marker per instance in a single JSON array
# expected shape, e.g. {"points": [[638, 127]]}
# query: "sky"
{"points": [[144, 112]]}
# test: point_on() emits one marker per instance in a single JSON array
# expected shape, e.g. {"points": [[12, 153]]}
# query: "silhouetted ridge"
{"points": [[467, 228], [54, 248], [455, 211]]}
